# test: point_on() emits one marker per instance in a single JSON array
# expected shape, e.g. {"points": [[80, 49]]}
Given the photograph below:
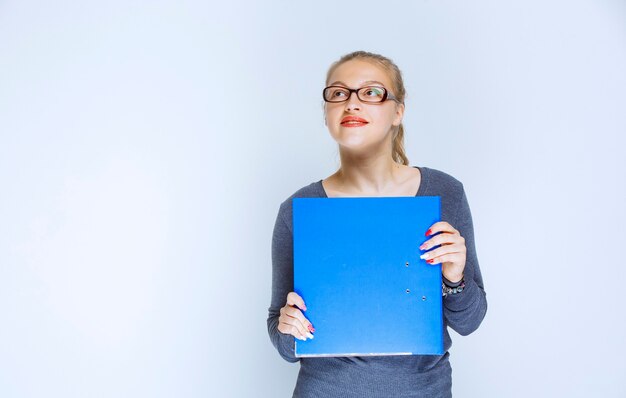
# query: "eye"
{"points": [[373, 92], [338, 92]]}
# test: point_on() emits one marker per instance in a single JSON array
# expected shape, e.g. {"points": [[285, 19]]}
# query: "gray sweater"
{"points": [[381, 376]]}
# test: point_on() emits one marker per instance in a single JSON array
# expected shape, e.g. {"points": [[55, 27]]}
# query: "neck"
{"points": [[371, 174]]}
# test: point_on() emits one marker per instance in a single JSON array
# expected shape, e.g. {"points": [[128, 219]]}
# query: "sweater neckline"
{"points": [[420, 191]]}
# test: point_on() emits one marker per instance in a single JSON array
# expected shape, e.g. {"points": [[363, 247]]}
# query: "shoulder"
{"points": [[441, 183], [449, 189], [313, 190]]}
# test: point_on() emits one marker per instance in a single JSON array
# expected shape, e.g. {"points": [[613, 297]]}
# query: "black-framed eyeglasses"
{"points": [[369, 94]]}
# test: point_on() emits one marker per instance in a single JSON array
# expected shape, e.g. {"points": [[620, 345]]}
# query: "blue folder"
{"points": [[357, 266]]}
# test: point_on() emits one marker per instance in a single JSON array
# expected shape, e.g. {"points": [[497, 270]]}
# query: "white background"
{"points": [[145, 147]]}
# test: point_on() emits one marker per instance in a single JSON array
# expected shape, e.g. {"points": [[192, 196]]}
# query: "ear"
{"points": [[399, 115]]}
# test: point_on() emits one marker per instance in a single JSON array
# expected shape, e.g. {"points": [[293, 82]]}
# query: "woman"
{"points": [[364, 106]]}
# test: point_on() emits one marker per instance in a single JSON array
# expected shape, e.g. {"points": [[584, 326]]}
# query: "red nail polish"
{"points": [[428, 232], [430, 261], [311, 329]]}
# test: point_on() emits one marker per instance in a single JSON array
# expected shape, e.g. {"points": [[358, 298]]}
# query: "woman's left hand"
{"points": [[451, 253]]}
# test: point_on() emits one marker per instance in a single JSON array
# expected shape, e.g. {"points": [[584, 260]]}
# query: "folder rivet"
{"points": [[408, 291], [407, 263], [423, 298]]}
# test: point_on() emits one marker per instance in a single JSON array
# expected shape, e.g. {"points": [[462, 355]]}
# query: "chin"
{"points": [[357, 144], [358, 138], [351, 140]]}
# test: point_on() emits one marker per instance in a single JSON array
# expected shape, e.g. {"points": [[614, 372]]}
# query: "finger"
{"points": [[447, 258], [440, 226], [296, 313], [443, 250], [294, 298], [286, 328], [294, 325], [442, 239]]}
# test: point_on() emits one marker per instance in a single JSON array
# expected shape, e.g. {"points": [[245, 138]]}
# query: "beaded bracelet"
{"points": [[452, 284], [447, 290]]}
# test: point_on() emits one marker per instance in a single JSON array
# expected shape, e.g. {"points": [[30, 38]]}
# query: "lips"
{"points": [[353, 121]]}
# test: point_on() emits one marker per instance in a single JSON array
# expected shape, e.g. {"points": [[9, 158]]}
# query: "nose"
{"points": [[353, 102]]}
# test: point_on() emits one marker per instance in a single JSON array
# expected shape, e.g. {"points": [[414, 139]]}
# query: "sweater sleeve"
{"points": [[282, 284], [465, 311]]}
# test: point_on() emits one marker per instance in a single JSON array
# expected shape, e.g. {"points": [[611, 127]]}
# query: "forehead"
{"points": [[355, 73]]}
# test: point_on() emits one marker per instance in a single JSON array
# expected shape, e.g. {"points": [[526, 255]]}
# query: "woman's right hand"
{"points": [[292, 321]]}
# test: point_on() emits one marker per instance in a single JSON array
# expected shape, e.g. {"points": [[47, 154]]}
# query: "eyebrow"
{"points": [[366, 82]]}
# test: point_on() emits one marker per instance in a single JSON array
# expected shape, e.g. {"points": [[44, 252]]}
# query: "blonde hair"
{"points": [[397, 147]]}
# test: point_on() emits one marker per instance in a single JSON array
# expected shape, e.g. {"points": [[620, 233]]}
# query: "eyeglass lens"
{"points": [[365, 94]]}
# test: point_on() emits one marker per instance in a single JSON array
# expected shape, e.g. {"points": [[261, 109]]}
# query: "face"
{"points": [[377, 119]]}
